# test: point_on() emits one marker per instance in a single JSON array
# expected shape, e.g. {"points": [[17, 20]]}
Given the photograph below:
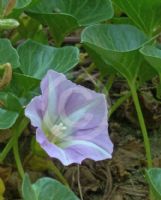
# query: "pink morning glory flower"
{"points": [[70, 120]]}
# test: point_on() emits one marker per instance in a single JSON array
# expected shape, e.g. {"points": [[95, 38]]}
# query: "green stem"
{"points": [[79, 184], [110, 82], [6, 150], [17, 130], [88, 70], [118, 103], [49, 165], [58, 173], [60, 176], [142, 124], [17, 159], [158, 87]]}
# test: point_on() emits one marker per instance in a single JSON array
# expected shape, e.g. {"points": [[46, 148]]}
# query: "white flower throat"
{"points": [[57, 131]]}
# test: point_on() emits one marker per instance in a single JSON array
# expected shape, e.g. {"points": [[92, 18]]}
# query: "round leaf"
{"points": [[117, 46], [36, 59]]}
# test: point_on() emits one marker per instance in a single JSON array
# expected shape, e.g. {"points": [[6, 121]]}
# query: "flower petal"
{"points": [[81, 150], [50, 97], [76, 151], [77, 113], [92, 143], [83, 108], [52, 86], [51, 149], [34, 111]]}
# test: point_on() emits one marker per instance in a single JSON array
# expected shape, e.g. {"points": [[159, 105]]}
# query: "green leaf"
{"points": [[20, 84], [22, 3], [64, 16], [153, 55], [19, 4], [3, 4], [20, 91], [46, 188], [36, 59], [60, 24], [116, 46], [6, 24], [2, 189], [146, 72], [104, 67], [7, 118], [36, 32], [154, 178], [10, 108], [121, 20], [24, 87], [8, 54], [144, 13], [10, 101], [27, 189]]}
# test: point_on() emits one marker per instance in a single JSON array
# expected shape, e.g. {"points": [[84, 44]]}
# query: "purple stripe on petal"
{"points": [[82, 108], [98, 136], [79, 151]]}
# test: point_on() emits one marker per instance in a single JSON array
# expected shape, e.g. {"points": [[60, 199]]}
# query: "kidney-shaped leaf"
{"points": [[154, 178], [46, 188], [64, 16], [8, 54], [116, 45], [144, 13], [36, 59]]}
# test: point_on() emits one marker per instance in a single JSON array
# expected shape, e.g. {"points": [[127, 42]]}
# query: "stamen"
{"points": [[57, 132]]}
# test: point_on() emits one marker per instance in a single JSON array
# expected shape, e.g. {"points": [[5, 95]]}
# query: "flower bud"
{"points": [[8, 24], [7, 75]]}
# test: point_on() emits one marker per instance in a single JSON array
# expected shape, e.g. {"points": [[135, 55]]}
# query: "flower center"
{"points": [[57, 132]]}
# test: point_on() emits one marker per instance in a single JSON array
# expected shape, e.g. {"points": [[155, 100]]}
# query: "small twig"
{"points": [[133, 191], [113, 191], [79, 184], [72, 40], [109, 184]]}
